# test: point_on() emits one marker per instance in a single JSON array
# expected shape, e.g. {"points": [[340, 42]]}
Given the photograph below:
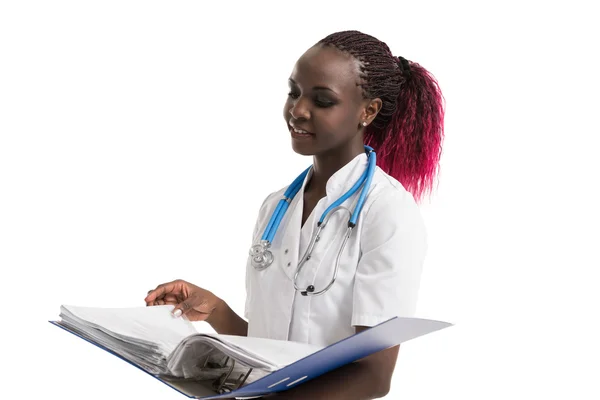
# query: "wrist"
{"points": [[217, 312]]}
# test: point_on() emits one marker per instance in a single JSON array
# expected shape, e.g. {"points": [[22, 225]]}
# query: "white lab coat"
{"points": [[379, 271]]}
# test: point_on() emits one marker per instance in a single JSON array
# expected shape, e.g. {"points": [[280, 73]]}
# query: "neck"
{"points": [[327, 164]]}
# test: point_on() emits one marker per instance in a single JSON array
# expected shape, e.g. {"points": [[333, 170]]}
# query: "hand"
{"points": [[195, 303]]}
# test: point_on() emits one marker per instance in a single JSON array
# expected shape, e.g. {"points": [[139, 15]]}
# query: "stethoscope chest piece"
{"points": [[262, 257]]}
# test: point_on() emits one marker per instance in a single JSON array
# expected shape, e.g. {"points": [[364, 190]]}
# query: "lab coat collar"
{"points": [[343, 179], [340, 182]]}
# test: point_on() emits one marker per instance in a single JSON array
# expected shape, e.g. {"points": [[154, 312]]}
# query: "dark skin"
{"points": [[325, 101]]}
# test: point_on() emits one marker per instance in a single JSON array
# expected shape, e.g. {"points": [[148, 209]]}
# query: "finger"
{"points": [[162, 302], [161, 290], [182, 308], [170, 299], [149, 303], [167, 299], [193, 303]]}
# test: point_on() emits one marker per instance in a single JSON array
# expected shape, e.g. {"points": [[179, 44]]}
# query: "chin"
{"points": [[306, 146], [302, 150]]}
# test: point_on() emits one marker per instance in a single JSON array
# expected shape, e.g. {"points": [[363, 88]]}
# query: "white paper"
{"points": [[145, 324]]}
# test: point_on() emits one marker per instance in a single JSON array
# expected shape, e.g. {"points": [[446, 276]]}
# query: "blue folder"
{"points": [[380, 337]]}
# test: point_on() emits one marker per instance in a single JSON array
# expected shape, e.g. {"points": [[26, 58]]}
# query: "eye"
{"points": [[323, 103], [293, 95]]}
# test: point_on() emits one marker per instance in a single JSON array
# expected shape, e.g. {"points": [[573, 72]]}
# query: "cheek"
{"points": [[336, 123]]}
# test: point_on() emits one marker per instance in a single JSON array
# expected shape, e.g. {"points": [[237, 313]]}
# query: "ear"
{"points": [[370, 110]]}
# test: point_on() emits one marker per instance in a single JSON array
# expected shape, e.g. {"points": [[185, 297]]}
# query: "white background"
{"points": [[131, 129]]}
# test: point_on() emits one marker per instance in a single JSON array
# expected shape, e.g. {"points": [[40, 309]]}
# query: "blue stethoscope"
{"points": [[262, 257]]}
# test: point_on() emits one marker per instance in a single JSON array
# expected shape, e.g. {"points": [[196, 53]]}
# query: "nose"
{"points": [[299, 109]]}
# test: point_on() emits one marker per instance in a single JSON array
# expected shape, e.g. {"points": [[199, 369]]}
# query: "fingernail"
{"points": [[177, 313]]}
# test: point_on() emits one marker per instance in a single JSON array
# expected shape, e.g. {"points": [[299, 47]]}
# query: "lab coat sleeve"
{"points": [[393, 247]]}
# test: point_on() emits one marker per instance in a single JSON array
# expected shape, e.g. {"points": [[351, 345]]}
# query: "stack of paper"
{"points": [[153, 339]]}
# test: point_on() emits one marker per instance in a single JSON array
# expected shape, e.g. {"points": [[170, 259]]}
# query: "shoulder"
{"points": [[271, 200], [391, 207], [388, 195], [267, 207]]}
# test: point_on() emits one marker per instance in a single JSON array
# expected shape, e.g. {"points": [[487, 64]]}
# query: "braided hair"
{"points": [[407, 132]]}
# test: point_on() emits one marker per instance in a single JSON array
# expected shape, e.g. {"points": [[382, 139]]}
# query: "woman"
{"points": [[346, 92]]}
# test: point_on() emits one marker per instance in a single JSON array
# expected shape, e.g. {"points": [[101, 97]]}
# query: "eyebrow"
{"points": [[316, 87]]}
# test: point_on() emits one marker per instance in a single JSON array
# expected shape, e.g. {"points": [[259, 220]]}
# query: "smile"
{"points": [[300, 132]]}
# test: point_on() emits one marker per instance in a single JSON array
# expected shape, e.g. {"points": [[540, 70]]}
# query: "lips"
{"points": [[299, 132]]}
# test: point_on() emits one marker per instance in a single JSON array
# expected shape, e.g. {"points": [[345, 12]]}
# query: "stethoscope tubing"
{"points": [[261, 251]]}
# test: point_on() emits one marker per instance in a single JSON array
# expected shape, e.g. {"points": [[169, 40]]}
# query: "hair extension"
{"points": [[408, 131]]}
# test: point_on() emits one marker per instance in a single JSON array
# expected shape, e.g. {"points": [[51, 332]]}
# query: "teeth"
{"points": [[299, 131]]}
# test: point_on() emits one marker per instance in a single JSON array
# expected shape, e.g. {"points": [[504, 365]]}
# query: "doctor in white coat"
{"points": [[373, 124]]}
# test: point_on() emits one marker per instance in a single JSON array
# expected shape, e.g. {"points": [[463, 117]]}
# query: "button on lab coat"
{"points": [[379, 270]]}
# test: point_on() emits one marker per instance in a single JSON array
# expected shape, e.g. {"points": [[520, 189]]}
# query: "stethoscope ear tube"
{"points": [[366, 187], [283, 205]]}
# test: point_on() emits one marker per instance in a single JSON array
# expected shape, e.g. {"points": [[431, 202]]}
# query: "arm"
{"points": [[368, 378], [225, 321]]}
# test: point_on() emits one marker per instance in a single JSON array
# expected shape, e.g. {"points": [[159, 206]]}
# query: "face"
{"points": [[325, 107]]}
